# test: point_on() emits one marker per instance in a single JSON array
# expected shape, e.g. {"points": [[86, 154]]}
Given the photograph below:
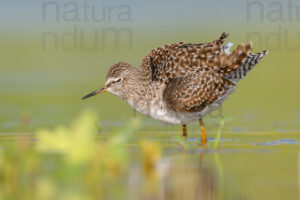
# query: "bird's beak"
{"points": [[95, 92]]}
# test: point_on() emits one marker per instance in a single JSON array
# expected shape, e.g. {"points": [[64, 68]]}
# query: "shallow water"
{"points": [[246, 166]]}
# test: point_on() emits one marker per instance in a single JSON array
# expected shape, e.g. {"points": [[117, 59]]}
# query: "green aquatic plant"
{"points": [[151, 152], [223, 120], [67, 162], [219, 133], [74, 144]]}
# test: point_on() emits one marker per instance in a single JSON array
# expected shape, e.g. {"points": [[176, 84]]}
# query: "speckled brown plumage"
{"points": [[182, 82], [193, 93], [197, 75]]}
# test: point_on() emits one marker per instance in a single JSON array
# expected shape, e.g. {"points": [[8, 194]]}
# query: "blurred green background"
{"points": [[54, 52]]}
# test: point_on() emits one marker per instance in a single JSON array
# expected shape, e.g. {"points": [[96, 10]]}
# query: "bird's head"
{"points": [[117, 79]]}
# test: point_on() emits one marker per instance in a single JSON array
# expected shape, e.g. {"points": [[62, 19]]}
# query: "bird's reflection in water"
{"points": [[181, 177]]}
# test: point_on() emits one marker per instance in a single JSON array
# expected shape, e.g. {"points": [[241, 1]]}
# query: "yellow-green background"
{"points": [[42, 88], [47, 84]]}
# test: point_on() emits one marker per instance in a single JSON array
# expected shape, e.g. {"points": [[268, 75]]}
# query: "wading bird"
{"points": [[182, 82]]}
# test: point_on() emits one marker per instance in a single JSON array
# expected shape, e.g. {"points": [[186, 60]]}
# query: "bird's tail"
{"points": [[245, 66], [236, 65]]}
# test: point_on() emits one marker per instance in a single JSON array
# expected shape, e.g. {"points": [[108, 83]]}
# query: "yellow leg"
{"points": [[184, 133], [203, 136]]}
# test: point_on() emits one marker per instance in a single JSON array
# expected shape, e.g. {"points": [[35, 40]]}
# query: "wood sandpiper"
{"points": [[182, 82]]}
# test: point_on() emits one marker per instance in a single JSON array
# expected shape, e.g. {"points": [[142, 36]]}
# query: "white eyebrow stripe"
{"points": [[109, 80]]}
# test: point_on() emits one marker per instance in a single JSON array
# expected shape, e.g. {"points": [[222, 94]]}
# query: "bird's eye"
{"points": [[118, 80]]}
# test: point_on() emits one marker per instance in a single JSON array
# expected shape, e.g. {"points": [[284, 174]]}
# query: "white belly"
{"points": [[159, 111], [171, 117]]}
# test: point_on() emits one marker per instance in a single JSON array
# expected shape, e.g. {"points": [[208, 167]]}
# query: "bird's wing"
{"points": [[194, 92], [170, 61]]}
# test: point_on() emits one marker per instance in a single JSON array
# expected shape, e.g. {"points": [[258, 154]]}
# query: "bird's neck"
{"points": [[137, 88]]}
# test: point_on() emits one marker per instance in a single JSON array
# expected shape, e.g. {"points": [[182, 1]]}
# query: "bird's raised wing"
{"points": [[170, 61], [194, 92]]}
